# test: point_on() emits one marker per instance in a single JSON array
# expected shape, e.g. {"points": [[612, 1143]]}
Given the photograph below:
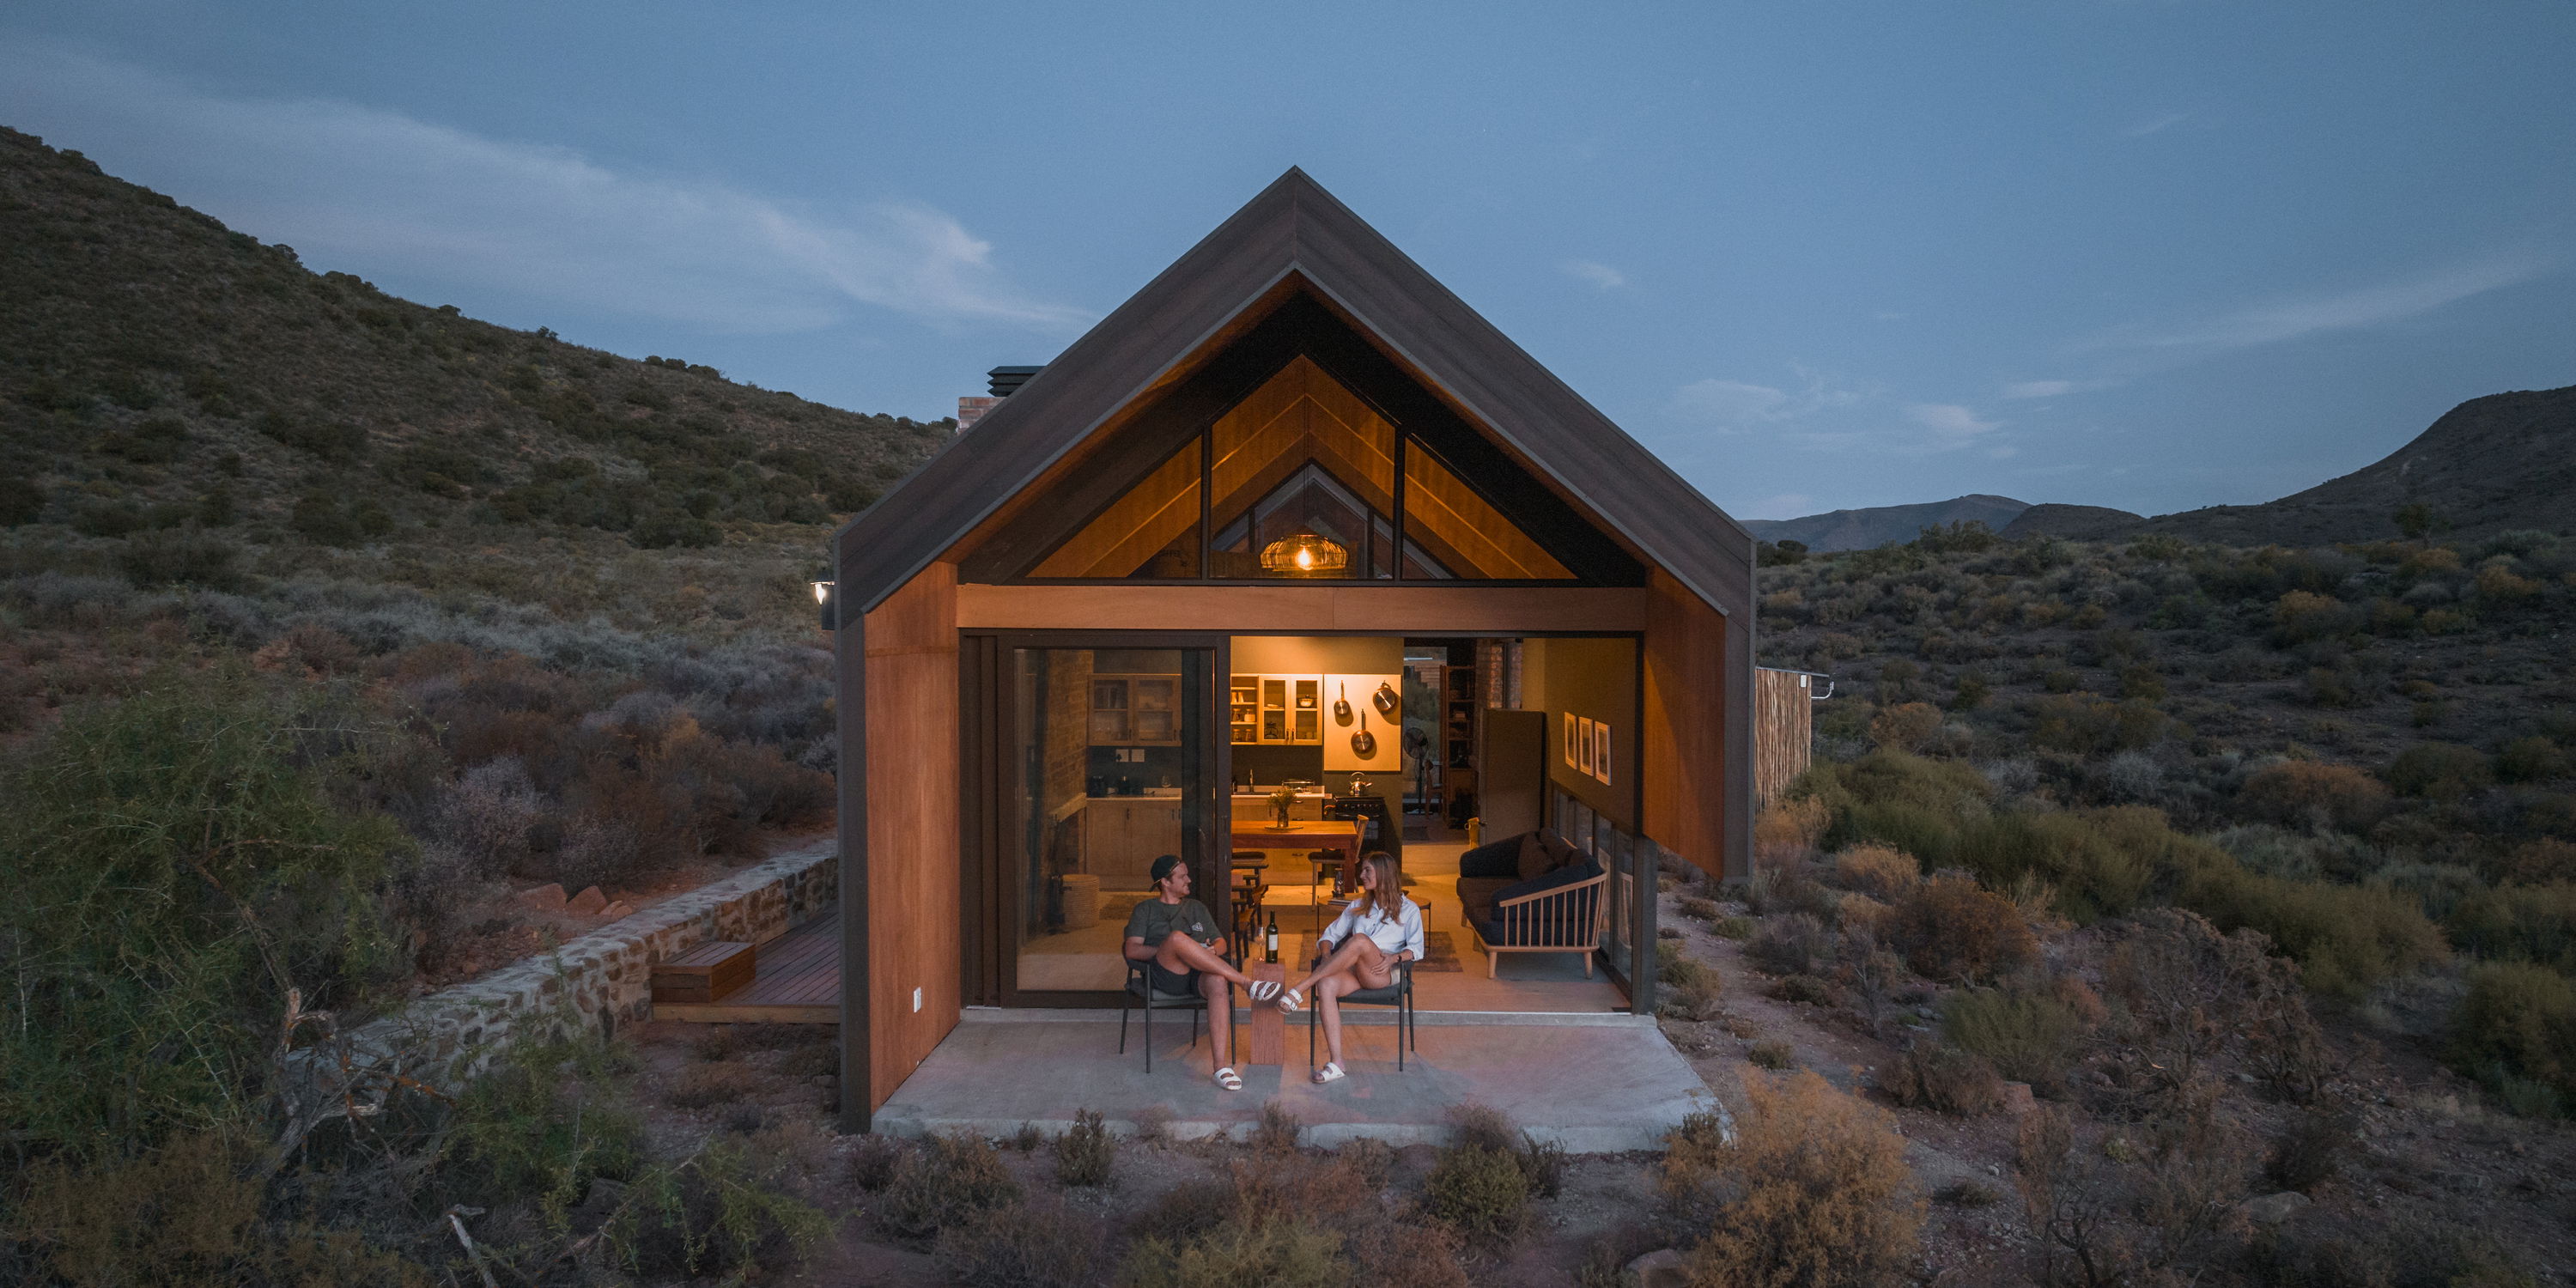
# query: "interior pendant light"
{"points": [[1305, 553]]}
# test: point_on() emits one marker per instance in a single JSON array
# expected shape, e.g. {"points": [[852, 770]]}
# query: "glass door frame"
{"points": [[988, 733]]}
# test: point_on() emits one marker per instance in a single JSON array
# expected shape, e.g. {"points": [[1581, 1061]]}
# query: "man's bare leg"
{"points": [[1181, 954], [1220, 1009]]}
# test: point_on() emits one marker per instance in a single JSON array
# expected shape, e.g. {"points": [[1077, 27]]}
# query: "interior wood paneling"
{"points": [[1149, 517], [1691, 807], [1393, 610], [913, 872], [1480, 542]]}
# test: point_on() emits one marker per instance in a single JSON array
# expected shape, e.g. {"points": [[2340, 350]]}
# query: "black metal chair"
{"points": [[1140, 987], [1398, 995]]}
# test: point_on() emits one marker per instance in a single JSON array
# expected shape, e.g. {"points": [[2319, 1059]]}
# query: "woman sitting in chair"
{"points": [[1360, 950]]}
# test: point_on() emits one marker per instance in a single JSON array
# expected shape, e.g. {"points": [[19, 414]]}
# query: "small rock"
{"points": [[2272, 1209], [2017, 1099], [589, 903], [1661, 1268], [621, 908], [545, 898]]}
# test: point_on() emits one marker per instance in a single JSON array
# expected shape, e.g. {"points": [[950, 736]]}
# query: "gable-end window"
{"points": [[1302, 480]]}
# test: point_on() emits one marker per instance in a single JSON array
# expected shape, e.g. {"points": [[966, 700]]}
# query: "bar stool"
{"points": [[1246, 868]]}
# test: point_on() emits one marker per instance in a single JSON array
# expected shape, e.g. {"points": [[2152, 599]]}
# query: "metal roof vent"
{"points": [[1005, 381]]}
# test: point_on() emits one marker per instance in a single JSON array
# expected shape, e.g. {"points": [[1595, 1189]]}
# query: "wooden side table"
{"points": [[1268, 1028]]}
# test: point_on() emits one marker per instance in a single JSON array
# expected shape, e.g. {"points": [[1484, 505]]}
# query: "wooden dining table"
{"points": [[1342, 835]]}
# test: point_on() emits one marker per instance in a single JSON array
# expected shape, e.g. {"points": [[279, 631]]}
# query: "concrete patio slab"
{"points": [[1592, 1083]]}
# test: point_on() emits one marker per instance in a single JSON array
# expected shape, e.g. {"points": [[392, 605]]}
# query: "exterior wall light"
{"points": [[827, 602], [1304, 553]]}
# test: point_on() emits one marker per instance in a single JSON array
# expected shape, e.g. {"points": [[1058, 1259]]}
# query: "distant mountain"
{"points": [[2489, 465], [2075, 522], [159, 370], [1878, 525]]}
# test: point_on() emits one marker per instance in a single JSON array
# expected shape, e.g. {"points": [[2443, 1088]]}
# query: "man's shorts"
{"points": [[1167, 982]]}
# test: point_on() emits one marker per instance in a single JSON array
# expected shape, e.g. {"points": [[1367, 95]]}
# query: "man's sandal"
{"points": [[1332, 1071], [1228, 1079], [1262, 990], [1290, 1001]]}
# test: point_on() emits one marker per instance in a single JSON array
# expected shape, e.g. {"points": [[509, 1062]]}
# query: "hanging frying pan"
{"points": [[1386, 700], [1364, 743], [1342, 707]]}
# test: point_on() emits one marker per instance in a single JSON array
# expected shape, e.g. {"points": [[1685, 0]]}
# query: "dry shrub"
{"points": [[2187, 993], [1277, 1254], [1276, 1131], [1794, 943], [1691, 986], [1026, 1245], [2312, 1149], [1948, 928], [2156, 1205], [1698, 909], [1906, 726], [2537, 862], [2027, 1030], [1481, 1193], [1789, 829], [1862, 914], [1084, 1154], [872, 1161], [951, 1180], [1772, 1053], [705, 1086], [189, 1211], [1880, 871], [2307, 792], [2518, 1020], [1813, 1190], [1371, 1158], [1937, 1075]]}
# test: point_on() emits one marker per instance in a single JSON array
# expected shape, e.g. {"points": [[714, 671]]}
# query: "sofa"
{"points": [[1532, 893]]}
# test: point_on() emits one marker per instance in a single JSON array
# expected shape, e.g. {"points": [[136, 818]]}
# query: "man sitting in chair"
{"points": [[1177, 938], [1360, 950]]}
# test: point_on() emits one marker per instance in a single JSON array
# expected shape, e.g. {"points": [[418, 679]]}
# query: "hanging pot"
{"points": [[1386, 700], [1364, 743], [1342, 707]]}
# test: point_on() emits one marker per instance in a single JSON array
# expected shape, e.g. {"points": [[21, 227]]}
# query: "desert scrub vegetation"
{"points": [[1811, 1188]]}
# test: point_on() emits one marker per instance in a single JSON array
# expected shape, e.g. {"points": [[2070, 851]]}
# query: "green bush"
{"points": [[2345, 938], [2027, 1032], [1937, 1075], [1024, 1246], [2517, 1020], [187, 558], [2531, 760], [176, 864], [1084, 1154], [1283, 1253], [2440, 769], [1479, 1192], [21, 501], [2529, 923], [952, 1180]]}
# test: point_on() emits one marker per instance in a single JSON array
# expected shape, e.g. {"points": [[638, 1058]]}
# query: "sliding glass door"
{"points": [[1107, 763]]}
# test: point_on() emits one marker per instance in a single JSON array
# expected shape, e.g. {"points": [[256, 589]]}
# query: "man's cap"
{"points": [[1164, 865]]}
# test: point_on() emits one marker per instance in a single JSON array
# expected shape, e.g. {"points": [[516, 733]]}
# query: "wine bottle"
{"points": [[1270, 940]]}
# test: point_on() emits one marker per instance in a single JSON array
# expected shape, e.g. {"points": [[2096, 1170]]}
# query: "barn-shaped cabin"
{"points": [[1292, 532]]}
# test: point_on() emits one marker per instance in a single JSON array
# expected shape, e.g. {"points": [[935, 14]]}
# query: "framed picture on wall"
{"points": [[1601, 752], [1583, 728], [1570, 759]]}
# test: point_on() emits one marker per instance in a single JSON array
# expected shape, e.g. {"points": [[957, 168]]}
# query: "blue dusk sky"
{"points": [[1815, 255]]}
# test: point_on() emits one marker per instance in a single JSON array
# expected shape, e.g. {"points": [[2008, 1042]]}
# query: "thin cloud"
{"points": [[2039, 388], [387, 194], [2155, 125], [1733, 406], [2291, 319], [1951, 420], [1599, 274]]}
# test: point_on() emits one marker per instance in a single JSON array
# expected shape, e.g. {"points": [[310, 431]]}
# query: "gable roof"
{"points": [[1295, 229]]}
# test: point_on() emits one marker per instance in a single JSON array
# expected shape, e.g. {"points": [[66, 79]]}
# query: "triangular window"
{"points": [[1302, 480]]}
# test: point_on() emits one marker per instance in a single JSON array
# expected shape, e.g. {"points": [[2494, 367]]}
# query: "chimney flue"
{"points": [[1003, 382]]}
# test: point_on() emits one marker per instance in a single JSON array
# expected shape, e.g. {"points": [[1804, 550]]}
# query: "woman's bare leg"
{"points": [[1328, 997], [1355, 953]]}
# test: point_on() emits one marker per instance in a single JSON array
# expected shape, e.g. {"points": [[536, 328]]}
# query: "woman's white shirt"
{"points": [[1401, 932]]}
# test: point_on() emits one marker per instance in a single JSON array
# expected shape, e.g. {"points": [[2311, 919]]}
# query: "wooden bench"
{"points": [[705, 973]]}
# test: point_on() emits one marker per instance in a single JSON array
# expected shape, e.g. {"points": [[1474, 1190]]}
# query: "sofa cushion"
{"points": [[1478, 894], [1493, 859], [1536, 858], [1552, 880]]}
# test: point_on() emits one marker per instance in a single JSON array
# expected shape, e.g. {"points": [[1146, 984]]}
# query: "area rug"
{"points": [[1444, 953]]}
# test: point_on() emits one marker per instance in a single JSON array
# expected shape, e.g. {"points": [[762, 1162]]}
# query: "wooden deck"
{"points": [[798, 982]]}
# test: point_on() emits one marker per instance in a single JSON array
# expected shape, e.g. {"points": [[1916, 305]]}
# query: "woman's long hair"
{"points": [[1390, 886]]}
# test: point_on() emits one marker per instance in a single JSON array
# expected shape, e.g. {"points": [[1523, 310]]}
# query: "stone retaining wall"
{"points": [[602, 979]]}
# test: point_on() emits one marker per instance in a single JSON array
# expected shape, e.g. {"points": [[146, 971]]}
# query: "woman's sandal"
{"points": [[1290, 1001], [1332, 1071], [1229, 1079], [1262, 990]]}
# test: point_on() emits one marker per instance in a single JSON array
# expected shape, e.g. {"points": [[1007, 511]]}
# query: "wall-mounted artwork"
{"points": [[1583, 743], [1601, 752], [1571, 760]]}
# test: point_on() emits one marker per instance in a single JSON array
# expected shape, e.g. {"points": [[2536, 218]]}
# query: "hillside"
{"points": [[2501, 463], [2072, 521], [1878, 525], [158, 370]]}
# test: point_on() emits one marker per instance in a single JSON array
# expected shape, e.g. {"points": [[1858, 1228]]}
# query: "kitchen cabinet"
{"points": [[1123, 835], [1275, 710], [1135, 710]]}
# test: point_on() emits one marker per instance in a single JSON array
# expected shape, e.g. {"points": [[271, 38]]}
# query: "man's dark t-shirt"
{"points": [[1154, 919]]}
